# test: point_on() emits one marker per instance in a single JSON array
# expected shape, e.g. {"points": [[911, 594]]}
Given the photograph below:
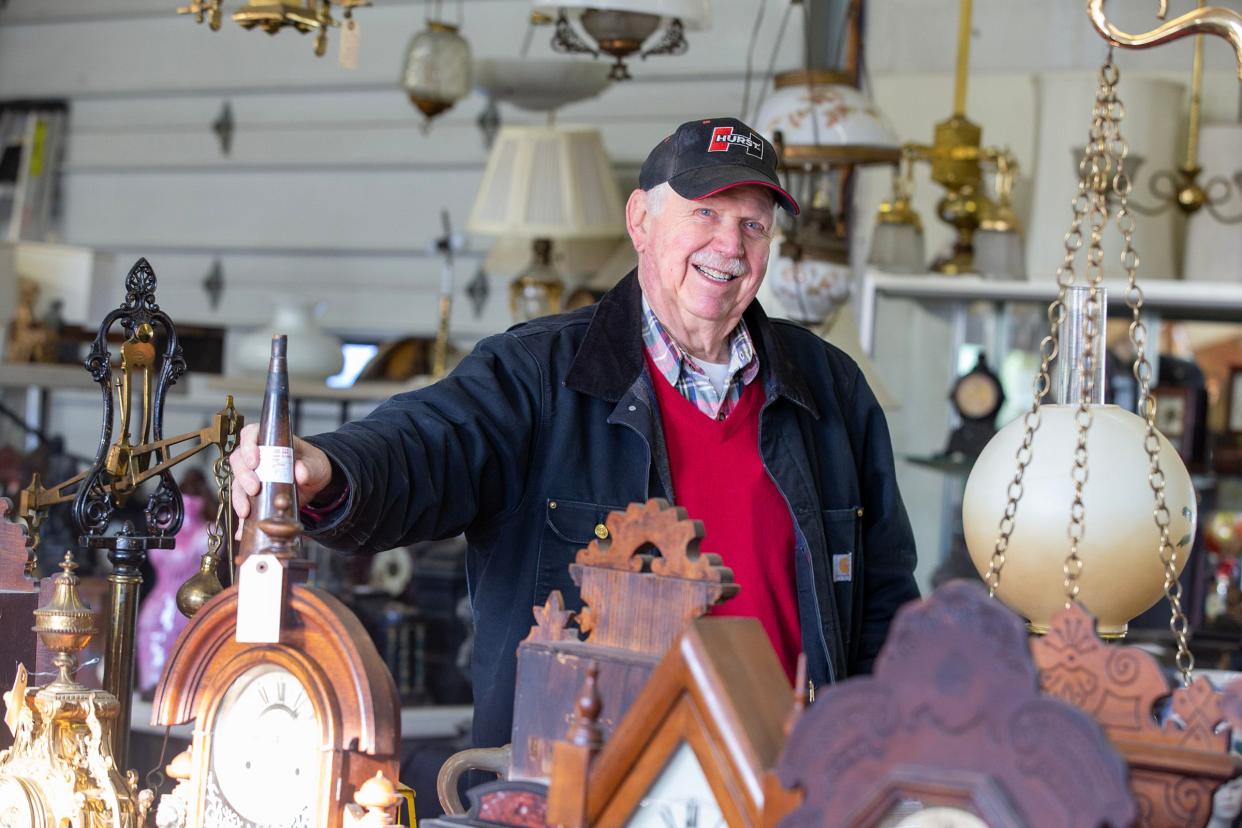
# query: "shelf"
{"points": [[44, 375], [1168, 298], [253, 386]]}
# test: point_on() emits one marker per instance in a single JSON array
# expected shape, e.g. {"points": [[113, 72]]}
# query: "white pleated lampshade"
{"points": [[548, 182]]}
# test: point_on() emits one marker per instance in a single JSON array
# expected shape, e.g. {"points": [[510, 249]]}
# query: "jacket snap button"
{"points": [[601, 531], [552, 505], [633, 408]]}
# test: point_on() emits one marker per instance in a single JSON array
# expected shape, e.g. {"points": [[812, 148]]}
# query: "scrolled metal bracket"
{"points": [[1210, 20]]}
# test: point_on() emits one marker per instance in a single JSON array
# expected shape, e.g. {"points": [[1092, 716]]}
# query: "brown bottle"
{"points": [[275, 452]]}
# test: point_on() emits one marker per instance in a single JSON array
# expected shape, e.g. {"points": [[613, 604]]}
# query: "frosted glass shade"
{"points": [[821, 117], [1214, 249], [1122, 575], [553, 183], [540, 85], [999, 254], [437, 68], [897, 247]]}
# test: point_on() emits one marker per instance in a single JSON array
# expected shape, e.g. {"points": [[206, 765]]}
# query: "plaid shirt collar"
{"points": [[685, 374]]}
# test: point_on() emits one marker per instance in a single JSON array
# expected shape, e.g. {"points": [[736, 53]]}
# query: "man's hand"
{"points": [[312, 470]]}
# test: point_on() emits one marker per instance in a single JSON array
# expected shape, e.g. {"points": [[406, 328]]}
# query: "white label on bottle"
{"points": [[275, 464]]}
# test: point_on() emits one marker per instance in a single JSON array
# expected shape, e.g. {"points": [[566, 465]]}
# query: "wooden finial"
{"points": [[584, 730]]}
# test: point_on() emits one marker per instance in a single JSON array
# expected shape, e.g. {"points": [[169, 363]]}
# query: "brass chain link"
{"points": [[1121, 185], [1082, 203], [1099, 165], [220, 531]]}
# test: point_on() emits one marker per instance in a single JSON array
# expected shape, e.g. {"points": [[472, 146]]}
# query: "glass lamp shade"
{"points": [[544, 182], [693, 14], [897, 247], [1122, 574], [810, 290], [999, 254], [437, 68], [536, 291], [540, 85], [822, 118]]}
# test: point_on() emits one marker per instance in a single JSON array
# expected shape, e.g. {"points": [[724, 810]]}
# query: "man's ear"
{"points": [[636, 215]]}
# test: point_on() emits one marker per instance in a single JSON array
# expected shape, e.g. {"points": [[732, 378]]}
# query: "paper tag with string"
{"points": [[348, 56]]}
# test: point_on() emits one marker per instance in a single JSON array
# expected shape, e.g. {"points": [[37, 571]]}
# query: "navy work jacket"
{"points": [[543, 430]]}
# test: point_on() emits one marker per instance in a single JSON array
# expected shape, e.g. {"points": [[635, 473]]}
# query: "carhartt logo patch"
{"points": [[724, 137], [843, 567]]}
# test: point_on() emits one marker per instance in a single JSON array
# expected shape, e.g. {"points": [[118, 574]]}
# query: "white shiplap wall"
{"points": [[333, 190]]}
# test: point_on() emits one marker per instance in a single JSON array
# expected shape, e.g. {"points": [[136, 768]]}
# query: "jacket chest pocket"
{"points": [[842, 534], [569, 525]]}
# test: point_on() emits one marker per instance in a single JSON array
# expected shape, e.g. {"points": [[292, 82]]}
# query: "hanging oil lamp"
{"points": [[437, 68]]}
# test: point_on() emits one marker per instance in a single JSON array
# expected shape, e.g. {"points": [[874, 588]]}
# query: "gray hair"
{"points": [[656, 197]]}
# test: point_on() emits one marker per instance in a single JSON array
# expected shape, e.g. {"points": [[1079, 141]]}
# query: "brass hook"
{"points": [[1213, 20]]}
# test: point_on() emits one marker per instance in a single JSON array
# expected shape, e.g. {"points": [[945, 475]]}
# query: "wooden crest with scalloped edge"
{"points": [[1175, 765], [639, 601], [666, 528], [641, 588]]}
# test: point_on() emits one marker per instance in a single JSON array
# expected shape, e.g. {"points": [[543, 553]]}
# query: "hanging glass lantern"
{"points": [[437, 68]]}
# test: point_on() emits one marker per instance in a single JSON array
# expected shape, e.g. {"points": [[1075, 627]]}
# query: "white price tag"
{"points": [[275, 464], [348, 56]]}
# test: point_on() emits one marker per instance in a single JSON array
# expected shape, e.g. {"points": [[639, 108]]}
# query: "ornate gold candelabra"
{"points": [[61, 769], [273, 15]]}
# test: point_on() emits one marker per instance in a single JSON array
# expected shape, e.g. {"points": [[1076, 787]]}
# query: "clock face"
{"points": [[265, 753], [680, 797], [976, 396], [941, 817]]}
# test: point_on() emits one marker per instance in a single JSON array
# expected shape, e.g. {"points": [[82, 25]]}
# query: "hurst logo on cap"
{"points": [[724, 137]]}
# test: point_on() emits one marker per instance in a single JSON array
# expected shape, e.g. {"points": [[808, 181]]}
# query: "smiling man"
{"points": [[675, 385]]}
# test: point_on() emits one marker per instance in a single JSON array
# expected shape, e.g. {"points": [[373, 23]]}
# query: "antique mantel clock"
{"points": [[293, 707], [286, 731]]}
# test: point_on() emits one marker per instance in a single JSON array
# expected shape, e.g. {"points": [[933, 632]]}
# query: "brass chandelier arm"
{"points": [[1212, 20], [1226, 188]]}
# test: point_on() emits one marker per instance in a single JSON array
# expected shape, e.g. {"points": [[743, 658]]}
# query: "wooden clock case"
{"points": [[722, 692], [324, 646]]}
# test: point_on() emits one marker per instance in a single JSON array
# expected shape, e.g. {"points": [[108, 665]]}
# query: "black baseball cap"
{"points": [[705, 157]]}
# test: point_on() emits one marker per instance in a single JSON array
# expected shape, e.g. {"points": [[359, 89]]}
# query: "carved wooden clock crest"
{"points": [[293, 707]]}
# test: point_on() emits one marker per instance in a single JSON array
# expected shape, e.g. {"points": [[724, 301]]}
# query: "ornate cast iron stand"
{"points": [[139, 453]]}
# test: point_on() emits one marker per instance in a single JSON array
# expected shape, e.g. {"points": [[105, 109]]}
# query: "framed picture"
{"points": [[1233, 422], [1178, 417]]}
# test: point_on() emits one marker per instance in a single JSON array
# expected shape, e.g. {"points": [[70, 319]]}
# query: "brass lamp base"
{"points": [[1107, 635]]}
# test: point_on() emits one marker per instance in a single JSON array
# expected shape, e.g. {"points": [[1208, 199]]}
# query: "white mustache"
{"points": [[731, 267]]}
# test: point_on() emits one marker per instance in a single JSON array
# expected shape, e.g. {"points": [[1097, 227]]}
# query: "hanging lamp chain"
{"points": [[1098, 169], [1084, 203], [1121, 186]]}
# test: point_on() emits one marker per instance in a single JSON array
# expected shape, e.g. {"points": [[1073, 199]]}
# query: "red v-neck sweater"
{"points": [[719, 478]]}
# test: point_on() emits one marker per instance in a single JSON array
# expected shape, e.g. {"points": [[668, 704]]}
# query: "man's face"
{"points": [[701, 262]]}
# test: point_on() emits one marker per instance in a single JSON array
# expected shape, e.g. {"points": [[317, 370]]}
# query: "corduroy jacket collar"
{"points": [[610, 358]]}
